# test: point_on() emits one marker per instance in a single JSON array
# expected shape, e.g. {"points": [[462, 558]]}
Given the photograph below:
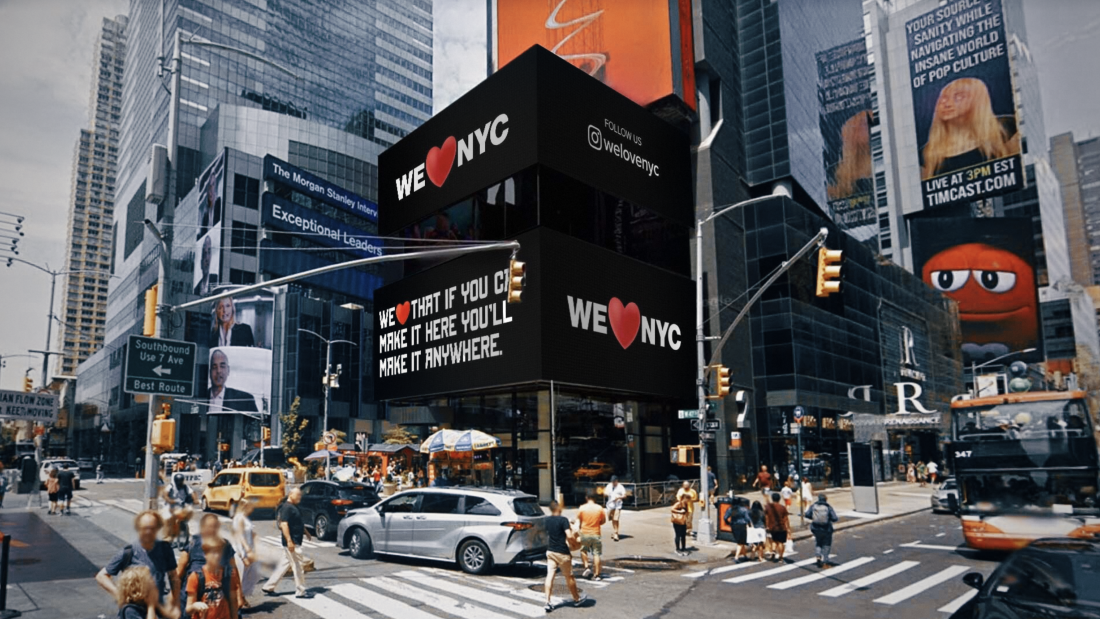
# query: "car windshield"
{"points": [[1031, 491], [1061, 577], [264, 480], [356, 493], [950, 485], [527, 506]]}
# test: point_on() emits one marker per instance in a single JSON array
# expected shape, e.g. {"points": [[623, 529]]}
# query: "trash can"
{"points": [[725, 533]]}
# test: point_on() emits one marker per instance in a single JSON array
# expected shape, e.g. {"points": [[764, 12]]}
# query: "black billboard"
{"points": [[963, 103], [589, 317], [538, 109]]}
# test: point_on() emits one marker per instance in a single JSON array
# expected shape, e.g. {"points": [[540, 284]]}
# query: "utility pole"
{"points": [[327, 381], [161, 331]]}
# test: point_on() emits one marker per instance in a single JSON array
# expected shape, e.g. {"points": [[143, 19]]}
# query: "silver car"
{"points": [[941, 498], [475, 527]]}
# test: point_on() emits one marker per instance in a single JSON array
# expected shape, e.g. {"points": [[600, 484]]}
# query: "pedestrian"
{"points": [[738, 519], [52, 485], [933, 470], [213, 588], [137, 594], [179, 506], [763, 481], [614, 493], [293, 531], [65, 482], [244, 546], [681, 515], [3, 486], [757, 536], [787, 492], [560, 541], [712, 487], [691, 497], [922, 473], [590, 518], [99, 473], [193, 557], [155, 555], [806, 493], [778, 523], [822, 516], [911, 473]]}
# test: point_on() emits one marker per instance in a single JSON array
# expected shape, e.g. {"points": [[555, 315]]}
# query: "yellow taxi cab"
{"points": [[226, 491]]}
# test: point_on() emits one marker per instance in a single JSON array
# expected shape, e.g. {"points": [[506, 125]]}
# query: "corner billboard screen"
{"points": [[988, 266], [641, 48], [240, 340], [963, 103], [844, 90]]}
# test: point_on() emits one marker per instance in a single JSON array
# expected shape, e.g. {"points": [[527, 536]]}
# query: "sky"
{"points": [[44, 94]]}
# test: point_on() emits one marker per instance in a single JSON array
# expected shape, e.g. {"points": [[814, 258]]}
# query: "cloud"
{"points": [[43, 106], [460, 49]]}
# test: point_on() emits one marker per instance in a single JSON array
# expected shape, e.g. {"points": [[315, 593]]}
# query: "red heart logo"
{"points": [[439, 161], [403, 310], [624, 321]]}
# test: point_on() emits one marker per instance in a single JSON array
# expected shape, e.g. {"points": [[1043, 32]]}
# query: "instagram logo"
{"points": [[595, 138]]}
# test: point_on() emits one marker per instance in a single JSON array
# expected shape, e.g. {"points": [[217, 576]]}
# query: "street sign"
{"points": [[696, 424], [796, 429], [706, 436], [690, 413], [798, 413], [711, 424], [329, 438], [165, 367]]}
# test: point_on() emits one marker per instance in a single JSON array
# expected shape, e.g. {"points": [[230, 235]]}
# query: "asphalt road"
{"points": [[901, 568]]}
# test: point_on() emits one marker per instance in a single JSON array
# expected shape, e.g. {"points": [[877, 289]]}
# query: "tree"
{"points": [[293, 427], [398, 435]]}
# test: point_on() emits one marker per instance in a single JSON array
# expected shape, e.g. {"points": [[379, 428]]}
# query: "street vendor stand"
{"points": [[382, 454], [460, 458]]}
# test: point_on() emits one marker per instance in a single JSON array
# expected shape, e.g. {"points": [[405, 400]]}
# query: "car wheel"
{"points": [[360, 545], [474, 557], [204, 505], [320, 527]]}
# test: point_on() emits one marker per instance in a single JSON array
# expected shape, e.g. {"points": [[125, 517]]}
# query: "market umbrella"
{"points": [[459, 440], [320, 455]]}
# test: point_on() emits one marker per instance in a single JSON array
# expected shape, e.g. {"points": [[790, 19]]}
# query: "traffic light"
{"points": [[721, 382], [517, 276], [165, 410], [28, 384], [828, 271], [149, 327], [266, 436], [164, 434]]}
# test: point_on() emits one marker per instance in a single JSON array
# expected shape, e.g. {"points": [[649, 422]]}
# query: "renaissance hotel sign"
{"points": [[591, 315]]}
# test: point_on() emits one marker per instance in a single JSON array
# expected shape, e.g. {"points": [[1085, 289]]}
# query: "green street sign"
{"points": [[162, 367], [690, 413]]}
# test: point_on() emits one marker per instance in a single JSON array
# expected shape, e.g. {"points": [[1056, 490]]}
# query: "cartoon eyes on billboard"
{"points": [[994, 287]]}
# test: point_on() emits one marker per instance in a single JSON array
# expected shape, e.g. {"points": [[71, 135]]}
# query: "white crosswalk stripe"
{"points": [[958, 602], [867, 581], [462, 609], [822, 575], [489, 599], [275, 541], [922, 585], [790, 567], [324, 606], [380, 603]]}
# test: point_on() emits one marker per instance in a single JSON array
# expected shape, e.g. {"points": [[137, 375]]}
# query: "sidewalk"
{"points": [[648, 533]]}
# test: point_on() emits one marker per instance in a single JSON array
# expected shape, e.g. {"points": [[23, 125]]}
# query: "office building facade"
{"points": [[89, 240], [1077, 165]]}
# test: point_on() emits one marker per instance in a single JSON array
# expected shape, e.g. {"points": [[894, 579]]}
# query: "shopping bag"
{"points": [[755, 535], [788, 548]]}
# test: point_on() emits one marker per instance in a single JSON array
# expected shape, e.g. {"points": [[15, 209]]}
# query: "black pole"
{"points": [[5, 544]]}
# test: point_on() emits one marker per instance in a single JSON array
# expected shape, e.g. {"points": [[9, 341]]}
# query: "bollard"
{"points": [[5, 548]]}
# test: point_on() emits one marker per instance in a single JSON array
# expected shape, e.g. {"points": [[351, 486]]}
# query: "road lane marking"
{"points": [[451, 606], [481, 595], [921, 585], [323, 606], [803, 580], [940, 534], [931, 546], [852, 514], [958, 602], [276, 541], [916, 494], [376, 601], [886, 552], [764, 574], [869, 580]]}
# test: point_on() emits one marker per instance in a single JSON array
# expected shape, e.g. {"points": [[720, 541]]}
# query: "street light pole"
{"points": [[974, 366], [326, 381], [160, 331]]}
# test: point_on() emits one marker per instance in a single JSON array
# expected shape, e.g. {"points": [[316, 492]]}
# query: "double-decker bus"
{"points": [[1027, 466]]}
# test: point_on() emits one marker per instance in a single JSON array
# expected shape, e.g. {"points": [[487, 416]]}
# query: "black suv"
{"points": [[324, 503]]}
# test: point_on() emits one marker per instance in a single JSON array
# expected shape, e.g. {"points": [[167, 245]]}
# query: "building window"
{"points": [[242, 278], [246, 191], [243, 239]]}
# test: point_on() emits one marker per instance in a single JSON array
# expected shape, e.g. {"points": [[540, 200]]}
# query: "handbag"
{"points": [[679, 517]]}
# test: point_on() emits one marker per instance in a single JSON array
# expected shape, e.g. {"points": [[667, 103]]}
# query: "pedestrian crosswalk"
{"points": [[880, 580], [273, 540], [427, 593]]}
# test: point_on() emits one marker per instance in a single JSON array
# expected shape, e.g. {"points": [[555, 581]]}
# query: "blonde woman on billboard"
{"points": [[965, 131], [855, 156], [226, 330]]}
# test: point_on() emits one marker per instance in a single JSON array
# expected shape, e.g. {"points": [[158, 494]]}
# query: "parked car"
{"points": [[85, 464], [594, 470], [475, 527], [325, 503], [231, 486], [61, 464], [946, 497], [1051, 577]]}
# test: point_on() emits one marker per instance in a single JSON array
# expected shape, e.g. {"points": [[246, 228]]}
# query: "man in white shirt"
{"points": [[933, 468], [614, 492]]}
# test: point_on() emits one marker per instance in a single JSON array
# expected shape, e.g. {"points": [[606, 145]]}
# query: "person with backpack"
{"points": [[154, 554], [137, 594], [213, 588], [738, 519], [822, 516], [194, 558]]}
